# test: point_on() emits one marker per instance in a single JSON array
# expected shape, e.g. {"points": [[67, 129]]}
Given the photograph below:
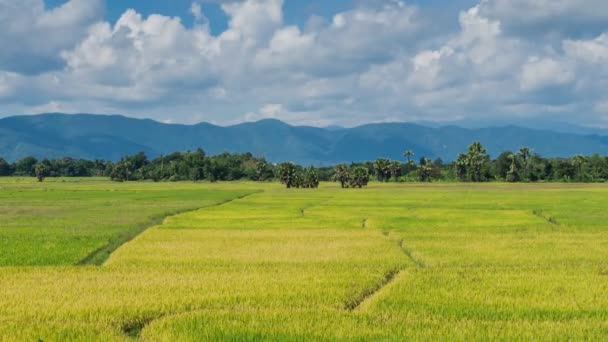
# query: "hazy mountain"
{"points": [[555, 126], [110, 137]]}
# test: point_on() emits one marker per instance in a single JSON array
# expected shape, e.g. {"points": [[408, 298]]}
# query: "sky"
{"points": [[318, 62]]}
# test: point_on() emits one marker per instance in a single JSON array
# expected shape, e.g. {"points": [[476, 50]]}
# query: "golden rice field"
{"points": [[250, 262]]}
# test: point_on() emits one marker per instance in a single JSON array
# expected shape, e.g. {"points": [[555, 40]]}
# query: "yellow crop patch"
{"points": [[254, 261]]}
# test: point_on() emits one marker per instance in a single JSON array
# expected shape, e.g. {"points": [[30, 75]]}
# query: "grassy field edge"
{"points": [[99, 256]]}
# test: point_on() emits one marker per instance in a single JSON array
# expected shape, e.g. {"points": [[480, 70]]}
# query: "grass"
{"points": [[71, 221], [430, 262]]}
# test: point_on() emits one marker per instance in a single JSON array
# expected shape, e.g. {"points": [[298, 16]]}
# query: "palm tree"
{"points": [[360, 177], [342, 175], [383, 169], [426, 170], [287, 175], [477, 158], [310, 178], [461, 166], [579, 161], [512, 174], [395, 168], [408, 155], [524, 154], [40, 171], [260, 168]]}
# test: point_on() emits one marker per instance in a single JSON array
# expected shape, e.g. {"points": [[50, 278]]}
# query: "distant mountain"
{"points": [[110, 137], [555, 126]]}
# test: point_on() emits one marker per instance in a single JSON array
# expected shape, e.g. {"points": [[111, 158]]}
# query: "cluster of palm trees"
{"points": [[355, 177], [291, 177], [472, 165], [387, 169], [523, 155]]}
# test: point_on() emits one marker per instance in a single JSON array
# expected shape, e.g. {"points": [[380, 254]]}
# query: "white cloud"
{"points": [[378, 61], [591, 51], [32, 36], [548, 17], [196, 10], [538, 73], [252, 21]]}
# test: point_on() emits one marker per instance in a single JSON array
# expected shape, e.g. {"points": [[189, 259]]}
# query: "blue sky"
{"points": [[344, 62], [296, 12]]}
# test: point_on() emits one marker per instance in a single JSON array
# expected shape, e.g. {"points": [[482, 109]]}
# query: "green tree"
{"points": [[461, 165], [40, 171], [524, 154], [564, 170], [477, 159], [194, 165], [383, 169], [342, 175], [512, 175], [502, 165], [310, 178], [25, 167], [395, 170], [359, 177], [5, 168], [579, 162], [409, 164], [597, 167], [260, 169], [121, 171], [288, 175], [425, 172]]}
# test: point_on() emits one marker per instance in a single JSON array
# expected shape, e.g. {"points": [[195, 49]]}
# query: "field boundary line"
{"points": [[541, 214], [370, 292], [314, 205], [410, 254], [100, 255]]}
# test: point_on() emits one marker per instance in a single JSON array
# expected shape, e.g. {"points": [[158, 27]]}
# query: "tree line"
{"points": [[473, 165]]}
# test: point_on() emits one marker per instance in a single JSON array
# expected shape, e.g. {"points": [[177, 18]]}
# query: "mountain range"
{"points": [[112, 136]]}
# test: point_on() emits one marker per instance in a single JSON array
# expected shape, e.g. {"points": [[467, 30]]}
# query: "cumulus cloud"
{"points": [[196, 10], [33, 36], [548, 17], [379, 61], [546, 72], [593, 51]]}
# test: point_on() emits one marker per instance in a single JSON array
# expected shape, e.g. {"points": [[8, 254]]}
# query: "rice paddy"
{"points": [[253, 261]]}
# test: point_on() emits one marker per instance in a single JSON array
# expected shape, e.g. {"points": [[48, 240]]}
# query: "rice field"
{"points": [[252, 261]]}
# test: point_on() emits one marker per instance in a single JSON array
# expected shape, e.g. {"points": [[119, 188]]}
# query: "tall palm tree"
{"points": [[260, 168], [408, 155], [477, 157], [524, 154], [579, 161], [426, 170], [461, 166], [342, 175], [395, 168], [512, 173], [383, 169]]}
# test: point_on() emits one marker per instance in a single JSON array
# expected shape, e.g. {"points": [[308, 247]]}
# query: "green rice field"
{"points": [[91, 260]]}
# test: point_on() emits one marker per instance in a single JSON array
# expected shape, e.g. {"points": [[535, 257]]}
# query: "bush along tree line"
{"points": [[473, 165]]}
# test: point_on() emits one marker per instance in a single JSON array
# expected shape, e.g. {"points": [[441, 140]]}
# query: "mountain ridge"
{"points": [[97, 136]]}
